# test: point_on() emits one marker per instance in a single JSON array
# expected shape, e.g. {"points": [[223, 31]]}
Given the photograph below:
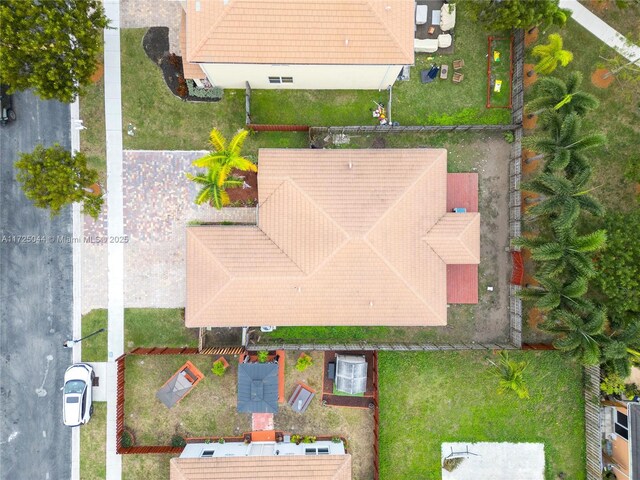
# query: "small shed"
{"points": [[258, 387], [351, 374]]}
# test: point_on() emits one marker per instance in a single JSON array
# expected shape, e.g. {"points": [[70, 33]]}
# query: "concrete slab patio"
{"points": [[496, 461]]}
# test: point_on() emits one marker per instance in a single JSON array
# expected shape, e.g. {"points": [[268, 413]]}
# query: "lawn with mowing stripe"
{"points": [[430, 398], [143, 327]]}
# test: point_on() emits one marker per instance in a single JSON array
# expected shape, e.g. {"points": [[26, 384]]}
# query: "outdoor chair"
{"points": [[444, 40], [427, 45], [458, 64], [458, 77]]}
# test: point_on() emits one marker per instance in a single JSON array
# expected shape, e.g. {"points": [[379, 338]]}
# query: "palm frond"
{"points": [[590, 242], [217, 140], [235, 145]]}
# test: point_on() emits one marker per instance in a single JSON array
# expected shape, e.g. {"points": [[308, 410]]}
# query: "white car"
{"points": [[77, 400]]}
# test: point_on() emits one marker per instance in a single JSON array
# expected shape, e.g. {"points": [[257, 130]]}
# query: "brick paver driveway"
{"points": [[158, 204]]}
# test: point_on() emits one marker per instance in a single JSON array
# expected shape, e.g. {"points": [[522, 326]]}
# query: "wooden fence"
{"points": [[593, 434], [515, 176], [120, 361]]}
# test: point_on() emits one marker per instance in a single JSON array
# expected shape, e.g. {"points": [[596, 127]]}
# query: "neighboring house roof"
{"points": [[258, 387], [301, 467], [344, 237], [364, 32], [190, 70]]}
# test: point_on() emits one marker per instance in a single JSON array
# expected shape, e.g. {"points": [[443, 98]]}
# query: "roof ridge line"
{"points": [[205, 37], [389, 31], [217, 262], [404, 194], [397, 274], [322, 211], [466, 227]]}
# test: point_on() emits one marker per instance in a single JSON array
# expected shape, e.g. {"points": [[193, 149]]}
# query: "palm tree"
{"points": [[220, 163], [567, 253], [550, 55], [563, 97], [214, 187], [563, 199], [553, 293], [620, 349], [579, 334], [562, 143], [510, 374]]}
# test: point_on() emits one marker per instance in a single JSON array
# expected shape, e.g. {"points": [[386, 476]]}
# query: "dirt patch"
{"points": [[529, 79], [529, 166], [222, 337], [354, 424], [247, 195], [529, 122], [599, 80], [495, 260], [531, 38], [97, 75], [379, 142]]}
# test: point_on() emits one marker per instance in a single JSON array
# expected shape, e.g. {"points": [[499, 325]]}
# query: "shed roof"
{"points": [[351, 374], [369, 32], [258, 387], [302, 467], [344, 237]]}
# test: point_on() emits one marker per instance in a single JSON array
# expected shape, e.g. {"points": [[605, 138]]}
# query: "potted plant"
{"points": [[296, 439], [263, 355], [127, 438], [221, 440], [220, 366], [304, 362], [309, 439]]}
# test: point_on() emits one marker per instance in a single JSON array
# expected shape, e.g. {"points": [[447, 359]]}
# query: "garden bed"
{"points": [[499, 72]]}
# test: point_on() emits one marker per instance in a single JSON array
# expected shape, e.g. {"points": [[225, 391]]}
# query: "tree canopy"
{"points": [[53, 178], [508, 14], [52, 46]]}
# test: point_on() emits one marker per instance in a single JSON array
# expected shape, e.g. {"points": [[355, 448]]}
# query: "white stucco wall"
{"points": [[305, 77]]}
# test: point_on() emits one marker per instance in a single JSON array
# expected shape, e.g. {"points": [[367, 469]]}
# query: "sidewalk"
{"points": [[115, 279], [601, 30]]}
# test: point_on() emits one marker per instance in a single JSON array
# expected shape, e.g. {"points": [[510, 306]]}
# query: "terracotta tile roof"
{"points": [[368, 32], [344, 237], [190, 70], [301, 467]]}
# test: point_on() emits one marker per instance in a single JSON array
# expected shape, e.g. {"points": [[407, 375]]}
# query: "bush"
{"points": [[218, 368], [508, 137], [177, 441], [174, 60], [309, 439], [126, 440], [304, 362], [221, 440], [336, 439], [612, 384], [296, 438], [262, 356], [182, 89], [196, 91]]}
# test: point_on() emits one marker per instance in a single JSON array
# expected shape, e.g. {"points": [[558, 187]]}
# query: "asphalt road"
{"points": [[35, 306]]}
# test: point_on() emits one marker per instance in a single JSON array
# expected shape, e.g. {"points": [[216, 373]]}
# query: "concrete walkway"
{"points": [[115, 282], [601, 30]]}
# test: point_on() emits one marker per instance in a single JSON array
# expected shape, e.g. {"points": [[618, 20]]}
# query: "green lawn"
{"points": [[430, 398], [143, 327], [618, 117], [93, 448], [136, 467], [624, 20], [439, 103]]}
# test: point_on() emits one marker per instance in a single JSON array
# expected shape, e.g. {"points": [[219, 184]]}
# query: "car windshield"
{"points": [[74, 386]]}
